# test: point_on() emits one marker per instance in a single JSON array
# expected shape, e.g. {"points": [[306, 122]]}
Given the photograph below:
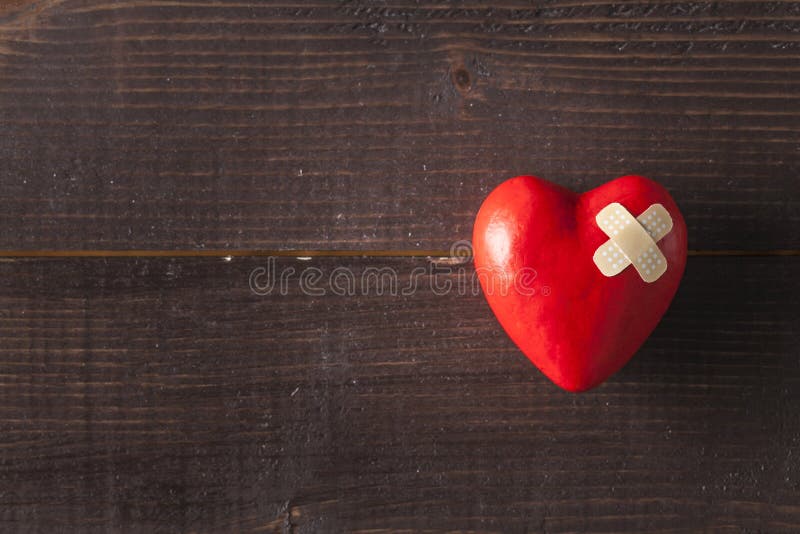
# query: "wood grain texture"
{"points": [[164, 395], [383, 125]]}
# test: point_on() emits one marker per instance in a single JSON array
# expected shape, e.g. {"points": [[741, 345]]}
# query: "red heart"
{"points": [[578, 327]]}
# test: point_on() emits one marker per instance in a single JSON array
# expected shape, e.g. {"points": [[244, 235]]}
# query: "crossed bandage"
{"points": [[632, 241]]}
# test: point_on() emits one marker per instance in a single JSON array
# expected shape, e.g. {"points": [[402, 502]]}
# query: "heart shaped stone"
{"points": [[534, 244]]}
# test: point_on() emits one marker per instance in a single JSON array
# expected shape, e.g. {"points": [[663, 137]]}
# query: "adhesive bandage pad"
{"points": [[633, 241]]}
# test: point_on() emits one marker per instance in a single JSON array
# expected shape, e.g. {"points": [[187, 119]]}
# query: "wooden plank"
{"points": [[165, 394], [191, 125]]}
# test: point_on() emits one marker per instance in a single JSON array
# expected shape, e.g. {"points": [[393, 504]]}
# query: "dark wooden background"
{"points": [[154, 391]]}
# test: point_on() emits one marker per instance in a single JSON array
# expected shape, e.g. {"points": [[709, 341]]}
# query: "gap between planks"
{"points": [[308, 253]]}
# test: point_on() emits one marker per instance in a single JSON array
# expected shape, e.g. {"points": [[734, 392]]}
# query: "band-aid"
{"points": [[633, 241]]}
